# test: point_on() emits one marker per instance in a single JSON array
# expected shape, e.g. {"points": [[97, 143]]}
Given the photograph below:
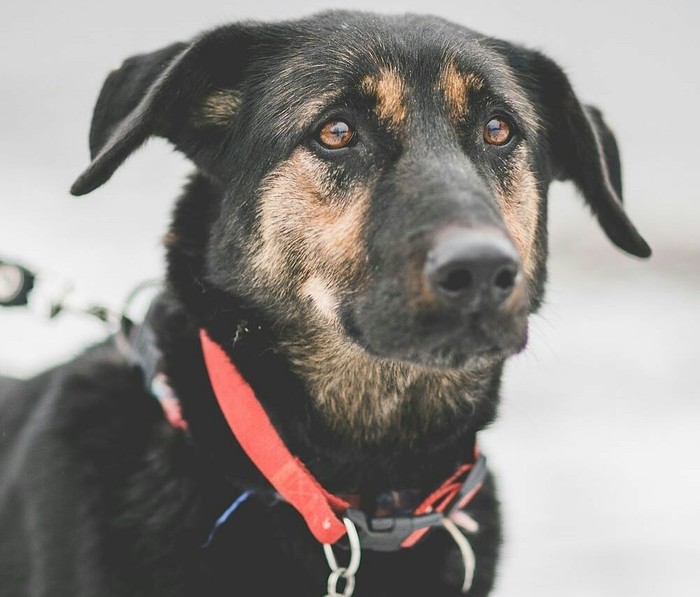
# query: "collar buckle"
{"points": [[387, 533], [391, 533]]}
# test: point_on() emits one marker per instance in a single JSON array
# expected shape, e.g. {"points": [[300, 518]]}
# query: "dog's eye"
{"points": [[498, 131], [336, 134]]}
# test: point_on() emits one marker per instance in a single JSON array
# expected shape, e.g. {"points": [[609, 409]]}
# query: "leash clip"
{"points": [[347, 573]]}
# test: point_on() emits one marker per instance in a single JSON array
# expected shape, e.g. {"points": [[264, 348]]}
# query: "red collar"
{"points": [[322, 511]]}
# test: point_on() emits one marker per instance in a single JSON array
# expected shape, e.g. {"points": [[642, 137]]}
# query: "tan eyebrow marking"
{"points": [[456, 86], [390, 91]]}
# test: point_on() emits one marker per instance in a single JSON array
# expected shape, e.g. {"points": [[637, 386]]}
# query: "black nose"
{"points": [[472, 268]]}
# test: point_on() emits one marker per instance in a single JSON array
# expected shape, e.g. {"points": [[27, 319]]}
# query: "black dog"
{"points": [[364, 237]]}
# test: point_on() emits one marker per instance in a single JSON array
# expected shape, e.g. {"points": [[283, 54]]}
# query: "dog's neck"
{"points": [[339, 409], [342, 459]]}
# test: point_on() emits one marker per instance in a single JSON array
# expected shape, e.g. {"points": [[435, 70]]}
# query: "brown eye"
{"points": [[336, 134], [497, 131]]}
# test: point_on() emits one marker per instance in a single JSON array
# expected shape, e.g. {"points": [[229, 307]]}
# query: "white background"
{"points": [[597, 445]]}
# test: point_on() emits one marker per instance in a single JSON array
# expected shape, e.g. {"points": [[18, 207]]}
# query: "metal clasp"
{"points": [[347, 573]]}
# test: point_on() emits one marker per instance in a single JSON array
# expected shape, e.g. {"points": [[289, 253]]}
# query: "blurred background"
{"points": [[596, 448]]}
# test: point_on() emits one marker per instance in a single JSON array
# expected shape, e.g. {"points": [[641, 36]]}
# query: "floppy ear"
{"points": [[165, 93], [123, 89], [584, 151]]}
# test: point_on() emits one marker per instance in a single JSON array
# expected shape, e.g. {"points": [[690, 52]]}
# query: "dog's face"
{"points": [[382, 180], [400, 203]]}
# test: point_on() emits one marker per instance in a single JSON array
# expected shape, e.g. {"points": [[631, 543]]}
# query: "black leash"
{"points": [[50, 295], [47, 294]]}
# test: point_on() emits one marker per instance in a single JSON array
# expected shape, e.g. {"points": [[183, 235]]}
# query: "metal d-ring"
{"points": [[348, 572]]}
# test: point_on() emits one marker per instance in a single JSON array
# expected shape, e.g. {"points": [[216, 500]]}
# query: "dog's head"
{"points": [[381, 181]]}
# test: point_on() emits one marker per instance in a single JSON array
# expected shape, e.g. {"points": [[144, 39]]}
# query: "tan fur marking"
{"points": [[371, 400], [321, 296], [308, 227], [390, 91], [218, 108], [519, 200], [456, 87], [169, 239]]}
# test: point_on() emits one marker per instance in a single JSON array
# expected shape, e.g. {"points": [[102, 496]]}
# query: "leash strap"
{"points": [[255, 433]]}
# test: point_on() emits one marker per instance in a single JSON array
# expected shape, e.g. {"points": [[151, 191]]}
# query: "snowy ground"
{"points": [[597, 448]]}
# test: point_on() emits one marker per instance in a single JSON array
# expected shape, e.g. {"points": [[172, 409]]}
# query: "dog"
{"points": [[349, 267]]}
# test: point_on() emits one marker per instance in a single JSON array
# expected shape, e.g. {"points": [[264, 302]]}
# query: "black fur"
{"points": [[100, 496]]}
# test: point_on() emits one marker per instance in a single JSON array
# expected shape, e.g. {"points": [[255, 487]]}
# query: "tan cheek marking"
{"points": [[338, 235], [288, 194], [456, 87], [520, 206], [390, 91], [309, 228], [218, 108], [322, 297]]}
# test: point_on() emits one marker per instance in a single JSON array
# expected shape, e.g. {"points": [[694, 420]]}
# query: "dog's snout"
{"points": [[472, 268]]}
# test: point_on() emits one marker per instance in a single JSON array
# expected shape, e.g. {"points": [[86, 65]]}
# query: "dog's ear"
{"points": [[582, 147], [181, 92]]}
